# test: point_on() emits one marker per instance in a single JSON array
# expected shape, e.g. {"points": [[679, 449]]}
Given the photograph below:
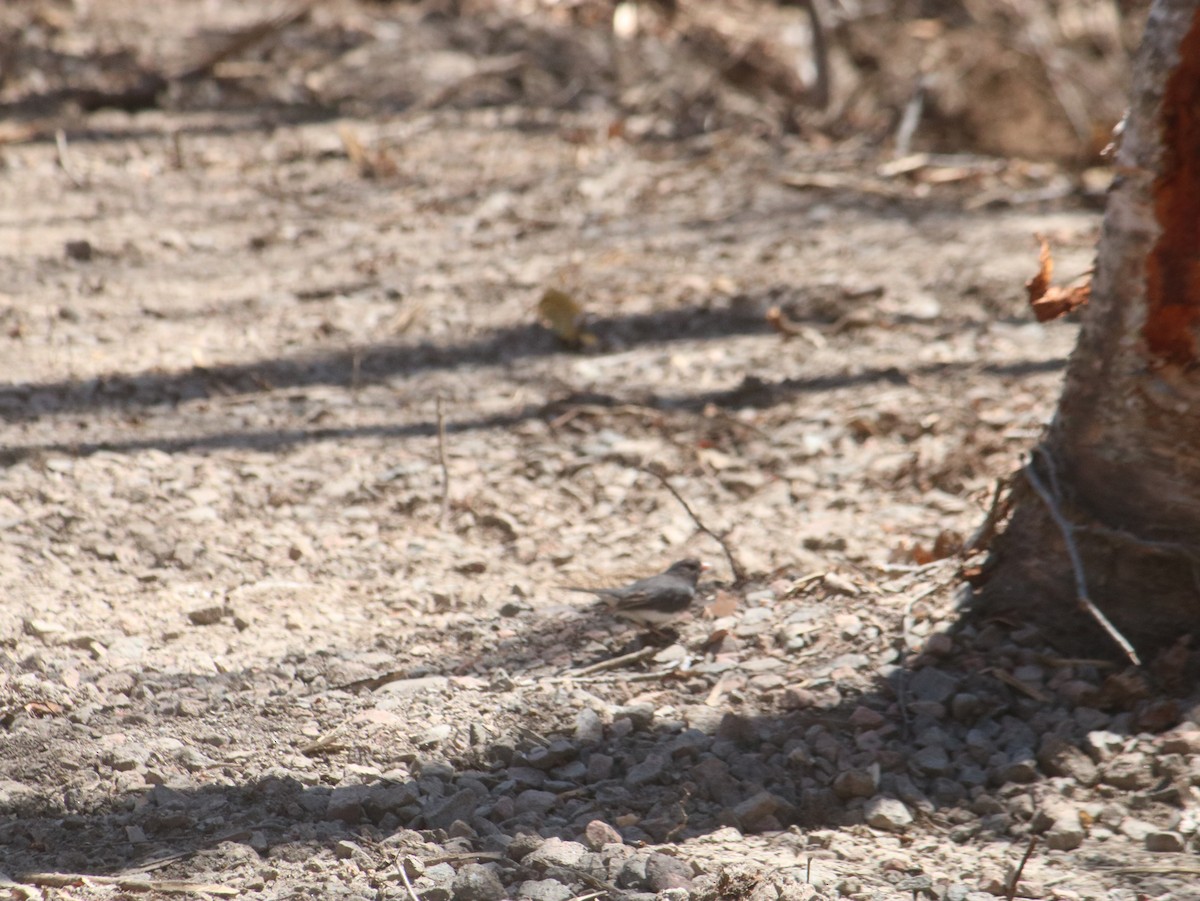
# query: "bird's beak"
{"points": [[704, 567]]}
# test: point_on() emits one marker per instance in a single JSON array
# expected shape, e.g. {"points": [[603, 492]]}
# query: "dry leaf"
{"points": [[1052, 301], [725, 604], [563, 315]]}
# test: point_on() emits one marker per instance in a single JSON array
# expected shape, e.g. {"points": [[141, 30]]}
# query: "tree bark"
{"points": [[1121, 460]]}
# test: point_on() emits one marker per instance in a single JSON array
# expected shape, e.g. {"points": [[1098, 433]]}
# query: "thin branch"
{"points": [[1068, 533], [999, 508], [412, 892], [64, 160], [615, 662], [1016, 876], [441, 436], [739, 574]]}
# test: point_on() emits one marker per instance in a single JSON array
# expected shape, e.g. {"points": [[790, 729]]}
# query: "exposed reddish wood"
{"points": [[1173, 267]]}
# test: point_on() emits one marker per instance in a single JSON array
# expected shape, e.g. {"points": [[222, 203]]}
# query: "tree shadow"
{"points": [[954, 741]]}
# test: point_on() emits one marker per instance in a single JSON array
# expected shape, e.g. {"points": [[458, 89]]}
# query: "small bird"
{"points": [[655, 600]]}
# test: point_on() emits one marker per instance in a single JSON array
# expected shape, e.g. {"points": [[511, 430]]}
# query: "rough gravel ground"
{"points": [[253, 641]]}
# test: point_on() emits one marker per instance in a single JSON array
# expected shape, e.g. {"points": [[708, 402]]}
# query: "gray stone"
{"points": [[477, 882], [649, 770], [533, 800], [856, 783], [598, 833], [544, 890], [554, 852], [932, 761], [640, 715], [599, 767], [589, 727], [436, 883], [664, 872], [888, 814], [1128, 771], [1058, 757], [407, 688], [760, 812], [1020, 768], [346, 803], [932, 684], [459, 806]]}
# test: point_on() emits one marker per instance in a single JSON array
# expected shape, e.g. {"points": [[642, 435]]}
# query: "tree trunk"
{"points": [[1121, 461]]}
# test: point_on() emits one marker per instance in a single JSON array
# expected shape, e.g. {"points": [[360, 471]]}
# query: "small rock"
{"points": [[476, 882], [856, 783], [589, 727], [1100, 743], [1129, 772], [866, 718], [640, 715], [966, 706], [1060, 823], [42, 629], [206, 616], [535, 801], [758, 813], [346, 803], [931, 684], [544, 890], [932, 761], [344, 850], [523, 844], [1165, 842], [1136, 829], [1059, 757], [554, 852], [648, 771], [598, 833], [599, 767], [459, 806], [80, 250], [888, 814], [664, 872], [407, 688]]}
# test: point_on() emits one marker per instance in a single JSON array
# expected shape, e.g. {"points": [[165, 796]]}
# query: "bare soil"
{"points": [[295, 477]]}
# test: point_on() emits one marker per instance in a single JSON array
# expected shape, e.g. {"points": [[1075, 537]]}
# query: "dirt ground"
{"points": [[296, 477]]}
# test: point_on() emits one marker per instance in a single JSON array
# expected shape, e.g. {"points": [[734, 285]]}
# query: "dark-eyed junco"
{"points": [[656, 600]]}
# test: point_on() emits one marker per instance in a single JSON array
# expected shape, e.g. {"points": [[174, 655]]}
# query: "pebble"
{"points": [[1165, 842], [598, 833]]}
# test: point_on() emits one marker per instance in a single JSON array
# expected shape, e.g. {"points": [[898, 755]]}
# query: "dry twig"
{"points": [[64, 161], [441, 435], [739, 574], [1050, 499], [412, 892], [1016, 876], [616, 662]]}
